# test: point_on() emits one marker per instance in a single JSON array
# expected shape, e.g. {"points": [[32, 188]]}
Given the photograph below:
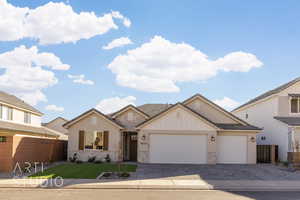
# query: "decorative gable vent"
{"points": [[178, 115], [130, 116]]}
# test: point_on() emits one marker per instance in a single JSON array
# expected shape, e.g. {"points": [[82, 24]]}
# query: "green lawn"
{"points": [[84, 170]]}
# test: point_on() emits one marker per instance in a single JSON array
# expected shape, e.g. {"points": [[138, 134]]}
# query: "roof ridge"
{"points": [[269, 93], [17, 102]]}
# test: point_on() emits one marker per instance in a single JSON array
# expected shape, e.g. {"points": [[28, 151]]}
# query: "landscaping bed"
{"points": [[83, 170]]}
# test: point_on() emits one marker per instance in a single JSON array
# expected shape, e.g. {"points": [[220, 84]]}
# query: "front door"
{"points": [[133, 147], [130, 146]]}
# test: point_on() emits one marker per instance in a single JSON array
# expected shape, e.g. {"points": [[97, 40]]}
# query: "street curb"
{"points": [[155, 184]]}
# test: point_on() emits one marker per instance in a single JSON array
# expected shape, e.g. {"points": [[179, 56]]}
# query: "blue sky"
{"points": [[267, 30]]}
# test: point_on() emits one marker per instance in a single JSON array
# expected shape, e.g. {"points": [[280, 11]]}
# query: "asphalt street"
{"points": [[112, 194]]}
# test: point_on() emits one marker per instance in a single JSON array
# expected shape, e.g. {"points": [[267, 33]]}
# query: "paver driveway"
{"points": [[215, 172]]}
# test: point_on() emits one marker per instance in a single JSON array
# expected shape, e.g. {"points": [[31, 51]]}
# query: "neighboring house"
{"points": [[278, 113], [21, 133], [195, 131], [57, 125]]}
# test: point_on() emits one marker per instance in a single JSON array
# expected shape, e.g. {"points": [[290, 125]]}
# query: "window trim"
{"points": [[9, 115], [1, 111], [94, 149], [4, 139], [298, 106], [27, 117]]}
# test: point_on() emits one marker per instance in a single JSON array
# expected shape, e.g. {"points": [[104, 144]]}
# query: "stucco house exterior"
{"points": [[22, 138], [278, 113], [57, 125], [194, 131]]}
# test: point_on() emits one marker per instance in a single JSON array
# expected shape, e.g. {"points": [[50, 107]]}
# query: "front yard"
{"points": [[83, 171]]}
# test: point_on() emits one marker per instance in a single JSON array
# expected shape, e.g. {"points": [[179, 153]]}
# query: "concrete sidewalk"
{"points": [[236, 185]]}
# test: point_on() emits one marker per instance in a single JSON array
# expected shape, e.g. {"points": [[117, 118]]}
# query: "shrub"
{"points": [[73, 158], [92, 159], [79, 161], [124, 174], [98, 161], [107, 158]]}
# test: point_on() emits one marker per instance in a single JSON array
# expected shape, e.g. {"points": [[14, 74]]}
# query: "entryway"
{"points": [[130, 146]]}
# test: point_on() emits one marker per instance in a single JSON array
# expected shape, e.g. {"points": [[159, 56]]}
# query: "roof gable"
{"points": [[153, 109], [57, 119], [268, 94], [87, 113], [225, 114], [130, 107], [14, 101], [172, 108]]}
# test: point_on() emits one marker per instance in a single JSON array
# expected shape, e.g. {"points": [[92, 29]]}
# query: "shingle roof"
{"points": [[292, 121], [269, 93], [26, 128], [97, 111], [46, 123], [124, 108], [15, 101], [237, 127], [153, 109], [221, 126]]}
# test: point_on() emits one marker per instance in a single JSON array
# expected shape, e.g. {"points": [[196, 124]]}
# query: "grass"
{"points": [[82, 171]]}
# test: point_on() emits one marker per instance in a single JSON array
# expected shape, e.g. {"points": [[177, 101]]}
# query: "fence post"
{"points": [[273, 157]]}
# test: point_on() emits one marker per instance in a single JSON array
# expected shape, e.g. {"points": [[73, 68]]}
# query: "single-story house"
{"points": [[195, 131], [57, 125]]}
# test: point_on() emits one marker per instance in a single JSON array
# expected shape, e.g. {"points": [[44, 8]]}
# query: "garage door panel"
{"points": [[165, 148], [232, 149]]}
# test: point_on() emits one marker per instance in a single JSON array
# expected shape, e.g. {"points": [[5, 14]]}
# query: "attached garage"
{"points": [[232, 149], [178, 148]]}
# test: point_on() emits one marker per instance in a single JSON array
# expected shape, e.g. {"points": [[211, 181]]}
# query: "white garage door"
{"points": [[191, 149], [232, 149]]}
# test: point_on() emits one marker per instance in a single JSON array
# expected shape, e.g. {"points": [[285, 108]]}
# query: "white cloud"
{"points": [[54, 108], [80, 79], [54, 23], [25, 74], [114, 104], [119, 42], [118, 15], [227, 103], [157, 66]]}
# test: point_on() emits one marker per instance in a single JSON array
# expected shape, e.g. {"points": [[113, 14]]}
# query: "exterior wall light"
{"points": [[144, 137], [252, 139], [212, 138]]}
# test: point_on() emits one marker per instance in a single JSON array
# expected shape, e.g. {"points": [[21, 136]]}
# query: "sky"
{"points": [[65, 57]]}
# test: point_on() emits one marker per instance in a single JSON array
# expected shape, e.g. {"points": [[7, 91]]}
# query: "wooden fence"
{"points": [[39, 150], [267, 153]]}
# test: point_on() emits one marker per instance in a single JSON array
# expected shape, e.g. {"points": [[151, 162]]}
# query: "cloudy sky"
{"points": [[65, 57]]}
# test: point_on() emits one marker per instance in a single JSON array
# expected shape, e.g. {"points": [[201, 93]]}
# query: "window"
{"points": [[27, 117], [3, 139], [247, 116], [94, 140], [263, 138], [295, 105], [9, 113]]}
